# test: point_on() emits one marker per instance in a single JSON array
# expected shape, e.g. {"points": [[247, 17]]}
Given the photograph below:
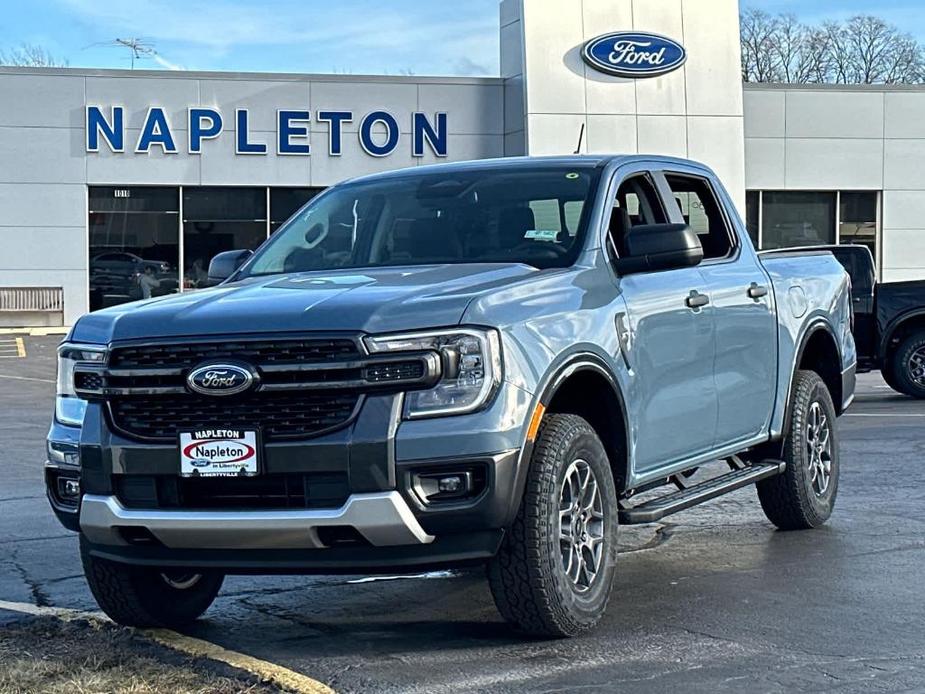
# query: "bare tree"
{"points": [[815, 58], [29, 55], [839, 52], [758, 34], [861, 50], [882, 53]]}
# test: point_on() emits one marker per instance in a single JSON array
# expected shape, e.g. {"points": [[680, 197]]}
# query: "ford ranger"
{"points": [[475, 363]]}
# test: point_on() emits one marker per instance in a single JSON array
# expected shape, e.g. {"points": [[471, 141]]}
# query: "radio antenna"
{"points": [[581, 134]]}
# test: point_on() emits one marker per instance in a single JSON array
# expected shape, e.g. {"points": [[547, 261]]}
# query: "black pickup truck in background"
{"points": [[889, 322]]}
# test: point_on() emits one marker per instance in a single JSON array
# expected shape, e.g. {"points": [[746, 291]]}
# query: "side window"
{"points": [[701, 211], [637, 203]]}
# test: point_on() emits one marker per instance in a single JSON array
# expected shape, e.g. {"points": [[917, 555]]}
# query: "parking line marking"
{"points": [[59, 612], [268, 672], [284, 677], [880, 414], [12, 348], [28, 378], [37, 332]]}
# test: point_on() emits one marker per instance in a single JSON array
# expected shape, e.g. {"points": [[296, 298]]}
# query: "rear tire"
{"points": [[554, 572], [141, 596], [890, 377], [804, 495], [908, 365]]}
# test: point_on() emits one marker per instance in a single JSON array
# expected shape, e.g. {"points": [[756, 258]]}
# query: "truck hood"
{"points": [[359, 300]]}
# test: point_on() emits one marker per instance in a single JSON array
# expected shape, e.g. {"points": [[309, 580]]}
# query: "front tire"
{"points": [[141, 596], [554, 572], [908, 365], [804, 495]]}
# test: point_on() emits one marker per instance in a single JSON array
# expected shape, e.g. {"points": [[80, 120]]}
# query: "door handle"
{"points": [[756, 291], [696, 299]]}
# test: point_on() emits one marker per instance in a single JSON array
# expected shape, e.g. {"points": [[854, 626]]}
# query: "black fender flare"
{"points": [[549, 385], [891, 328], [817, 324]]}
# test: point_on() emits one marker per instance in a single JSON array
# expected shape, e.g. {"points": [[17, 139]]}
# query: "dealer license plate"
{"points": [[218, 453]]}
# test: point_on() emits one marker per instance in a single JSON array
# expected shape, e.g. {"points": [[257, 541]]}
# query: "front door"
{"points": [[668, 346]]}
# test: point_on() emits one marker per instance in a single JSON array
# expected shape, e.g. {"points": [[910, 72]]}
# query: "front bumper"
{"points": [[378, 453], [459, 549], [383, 519]]}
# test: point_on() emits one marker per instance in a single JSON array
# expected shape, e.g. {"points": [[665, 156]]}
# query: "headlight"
{"points": [[69, 409], [471, 368]]}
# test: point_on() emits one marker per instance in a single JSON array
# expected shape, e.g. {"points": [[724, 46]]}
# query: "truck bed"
{"points": [[804, 282]]}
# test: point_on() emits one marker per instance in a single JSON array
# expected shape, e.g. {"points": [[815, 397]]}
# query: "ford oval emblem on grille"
{"points": [[220, 379]]}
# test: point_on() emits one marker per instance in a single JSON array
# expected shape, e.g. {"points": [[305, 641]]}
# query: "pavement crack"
{"points": [[63, 578], [39, 596], [36, 539], [705, 634], [662, 534], [286, 616], [252, 592], [21, 498]]}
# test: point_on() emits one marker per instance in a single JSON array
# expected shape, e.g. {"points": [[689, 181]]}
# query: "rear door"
{"points": [[741, 301], [668, 345]]}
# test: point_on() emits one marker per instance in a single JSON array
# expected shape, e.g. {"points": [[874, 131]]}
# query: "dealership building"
{"points": [[110, 175]]}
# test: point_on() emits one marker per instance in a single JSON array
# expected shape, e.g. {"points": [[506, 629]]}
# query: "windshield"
{"points": [[532, 215]]}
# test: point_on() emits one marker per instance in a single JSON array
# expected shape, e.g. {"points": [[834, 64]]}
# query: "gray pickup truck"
{"points": [[492, 362]]}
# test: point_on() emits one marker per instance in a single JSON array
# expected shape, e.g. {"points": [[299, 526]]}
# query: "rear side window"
{"points": [[546, 214], [551, 215], [701, 211]]}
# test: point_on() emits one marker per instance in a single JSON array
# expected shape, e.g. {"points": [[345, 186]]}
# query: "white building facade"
{"points": [[109, 175]]}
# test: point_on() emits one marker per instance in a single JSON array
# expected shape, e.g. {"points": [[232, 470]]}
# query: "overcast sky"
{"points": [[351, 36]]}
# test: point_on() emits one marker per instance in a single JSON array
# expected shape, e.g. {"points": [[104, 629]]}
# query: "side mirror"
{"points": [[224, 265], [654, 247]]}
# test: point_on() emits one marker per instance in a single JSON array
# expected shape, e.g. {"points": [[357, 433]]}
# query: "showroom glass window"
{"points": [[285, 202], [857, 219], [797, 218], [216, 220], [133, 243], [782, 219]]}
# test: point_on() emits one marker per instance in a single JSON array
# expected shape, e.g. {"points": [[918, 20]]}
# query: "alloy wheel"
{"points": [[819, 448], [581, 525], [917, 366]]}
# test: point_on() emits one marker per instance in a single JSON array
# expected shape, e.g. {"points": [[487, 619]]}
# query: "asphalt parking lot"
{"points": [[713, 600]]}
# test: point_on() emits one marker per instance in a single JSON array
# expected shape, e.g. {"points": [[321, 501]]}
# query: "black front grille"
{"points": [[278, 415], [271, 491], [303, 386], [188, 355]]}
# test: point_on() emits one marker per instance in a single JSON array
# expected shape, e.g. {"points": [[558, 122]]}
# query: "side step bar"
{"points": [[656, 509]]}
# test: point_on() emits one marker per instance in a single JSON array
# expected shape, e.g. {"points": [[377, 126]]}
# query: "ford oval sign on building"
{"points": [[634, 54]]}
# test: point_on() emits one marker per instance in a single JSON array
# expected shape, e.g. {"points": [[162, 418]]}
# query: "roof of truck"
{"points": [[525, 162]]}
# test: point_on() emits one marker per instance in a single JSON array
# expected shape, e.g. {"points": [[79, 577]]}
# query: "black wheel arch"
{"points": [[896, 330], [817, 346], [604, 403]]}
